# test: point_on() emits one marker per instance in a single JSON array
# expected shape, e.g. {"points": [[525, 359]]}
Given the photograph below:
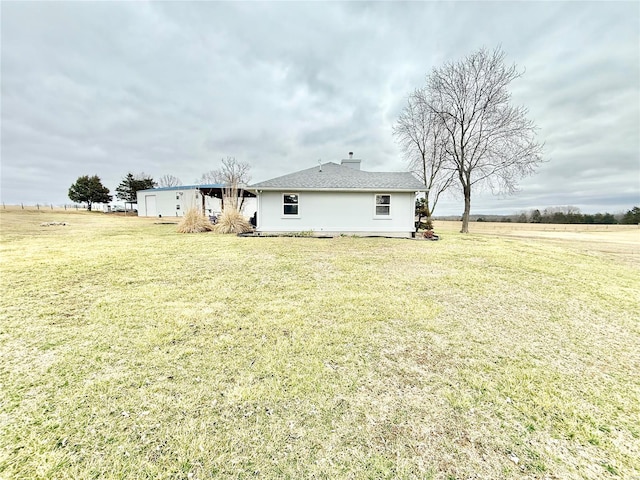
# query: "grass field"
{"points": [[131, 351]]}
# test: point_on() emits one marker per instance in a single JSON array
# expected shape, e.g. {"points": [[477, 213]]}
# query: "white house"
{"points": [[175, 201], [332, 199]]}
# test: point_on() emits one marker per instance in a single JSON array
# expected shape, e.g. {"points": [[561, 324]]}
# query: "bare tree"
{"points": [[210, 178], [421, 138], [234, 175], [169, 181], [488, 142]]}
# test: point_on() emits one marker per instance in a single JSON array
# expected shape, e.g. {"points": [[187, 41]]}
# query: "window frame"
{"points": [[382, 216], [284, 204]]}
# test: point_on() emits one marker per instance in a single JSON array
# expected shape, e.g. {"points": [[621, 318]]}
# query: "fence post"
{"points": [[22, 204], [65, 206], [38, 206]]}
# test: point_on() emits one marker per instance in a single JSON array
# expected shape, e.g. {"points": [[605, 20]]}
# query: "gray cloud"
{"points": [[167, 87]]}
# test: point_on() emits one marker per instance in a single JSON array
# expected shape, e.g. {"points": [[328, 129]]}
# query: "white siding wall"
{"points": [[175, 203], [170, 203], [335, 212]]}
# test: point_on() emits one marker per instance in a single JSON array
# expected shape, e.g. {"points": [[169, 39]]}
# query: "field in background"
{"points": [[615, 239], [130, 351]]}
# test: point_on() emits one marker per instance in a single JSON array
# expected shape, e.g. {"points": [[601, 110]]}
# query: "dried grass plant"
{"points": [[194, 222], [231, 221]]}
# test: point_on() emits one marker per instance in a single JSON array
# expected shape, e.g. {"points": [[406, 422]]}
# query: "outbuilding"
{"points": [[175, 201], [332, 199]]}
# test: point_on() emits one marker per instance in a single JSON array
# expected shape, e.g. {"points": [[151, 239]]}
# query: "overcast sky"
{"points": [[171, 88]]}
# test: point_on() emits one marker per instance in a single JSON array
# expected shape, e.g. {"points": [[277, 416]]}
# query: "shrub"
{"points": [[232, 221], [194, 222], [428, 224]]}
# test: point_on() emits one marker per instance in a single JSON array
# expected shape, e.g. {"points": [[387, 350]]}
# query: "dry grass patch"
{"points": [[129, 350], [621, 241]]}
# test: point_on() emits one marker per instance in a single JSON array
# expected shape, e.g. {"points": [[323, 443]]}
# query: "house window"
{"points": [[383, 205], [177, 207], [290, 204], [177, 197]]}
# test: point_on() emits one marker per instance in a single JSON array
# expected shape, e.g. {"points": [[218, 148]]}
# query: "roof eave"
{"points": [[188, 187], [334, 189]]}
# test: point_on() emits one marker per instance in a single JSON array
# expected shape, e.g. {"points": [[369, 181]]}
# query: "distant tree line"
{"points": [[567, 215]]}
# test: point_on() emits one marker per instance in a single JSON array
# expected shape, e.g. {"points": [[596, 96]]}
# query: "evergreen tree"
{"points": [[89, 190], [632, 217], [128, 188], [536, 216]]}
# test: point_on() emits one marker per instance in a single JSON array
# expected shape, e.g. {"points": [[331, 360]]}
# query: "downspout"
{"points": [[259, 210]]}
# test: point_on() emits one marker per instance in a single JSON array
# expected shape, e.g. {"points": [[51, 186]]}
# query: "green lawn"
{"points": [[131, 351]]}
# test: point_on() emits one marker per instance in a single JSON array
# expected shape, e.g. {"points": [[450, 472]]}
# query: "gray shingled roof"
{"points": [[338, 177]]}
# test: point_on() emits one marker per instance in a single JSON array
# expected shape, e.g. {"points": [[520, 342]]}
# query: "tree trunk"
{"points": [[427, 213], [89, 206], [467, 209]]}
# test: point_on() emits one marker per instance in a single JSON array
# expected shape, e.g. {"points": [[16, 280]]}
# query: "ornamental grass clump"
{"points": [[232, 221], [194, 222]]}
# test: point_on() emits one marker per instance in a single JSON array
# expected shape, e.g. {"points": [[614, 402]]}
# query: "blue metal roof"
{"points": [[184, 187]]}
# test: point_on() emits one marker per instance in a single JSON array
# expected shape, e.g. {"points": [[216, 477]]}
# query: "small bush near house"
{"points": [[194, 222], [232, 221]]}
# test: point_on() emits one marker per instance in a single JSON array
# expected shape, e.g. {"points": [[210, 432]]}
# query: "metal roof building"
{"points": [[175, 201]]}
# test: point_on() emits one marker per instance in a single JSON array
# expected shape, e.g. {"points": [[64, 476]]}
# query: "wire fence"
{"points": [[95, 207]]}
